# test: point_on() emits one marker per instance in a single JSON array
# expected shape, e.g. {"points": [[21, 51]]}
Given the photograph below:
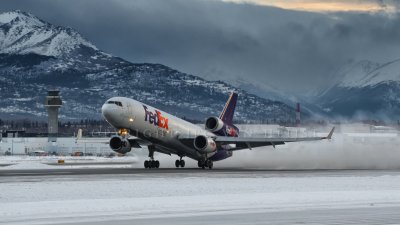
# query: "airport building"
{"points": [[63, 146], [18, 142], [53, 102]]}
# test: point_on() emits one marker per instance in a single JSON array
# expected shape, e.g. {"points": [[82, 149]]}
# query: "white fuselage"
{"points": [[153, 125]]}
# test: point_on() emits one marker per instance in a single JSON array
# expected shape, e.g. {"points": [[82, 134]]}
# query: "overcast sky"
{"points": [[294, 45]]}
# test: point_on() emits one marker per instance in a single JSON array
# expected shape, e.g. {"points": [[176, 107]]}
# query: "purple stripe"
{"points": [[227, 117]]}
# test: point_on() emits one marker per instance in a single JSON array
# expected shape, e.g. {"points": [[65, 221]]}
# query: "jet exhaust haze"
{"points": [[345, 151]]}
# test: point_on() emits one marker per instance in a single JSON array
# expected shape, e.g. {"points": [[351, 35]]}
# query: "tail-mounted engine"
{"points": [[214, 124], [120, 145], [218, 127], [204, 144]]}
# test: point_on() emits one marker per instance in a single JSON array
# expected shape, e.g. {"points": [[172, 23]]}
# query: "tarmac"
{"points": [[368, 214]]}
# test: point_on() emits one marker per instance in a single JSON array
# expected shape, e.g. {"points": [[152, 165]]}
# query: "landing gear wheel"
{"points": [[210, 164], [202, 164], [180, 163], [148, 164]]}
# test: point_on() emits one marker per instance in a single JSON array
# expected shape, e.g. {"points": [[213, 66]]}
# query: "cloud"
{"points": [[371, 6], [292, 50]]}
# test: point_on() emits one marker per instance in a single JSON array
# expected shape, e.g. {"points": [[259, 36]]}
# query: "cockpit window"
{"points": [[115, 103]]}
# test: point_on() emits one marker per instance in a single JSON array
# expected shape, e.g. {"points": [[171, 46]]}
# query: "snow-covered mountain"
{"points": [[366, 73], [364, 89], [266, 91], [23, 33], [36, 56]]}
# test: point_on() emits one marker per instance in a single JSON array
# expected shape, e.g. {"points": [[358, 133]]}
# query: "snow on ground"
{"points": [[51, 162], [65, 198], [42, 200]]}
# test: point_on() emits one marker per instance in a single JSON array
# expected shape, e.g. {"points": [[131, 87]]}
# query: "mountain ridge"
{"points": [[364, 90], [87, 77]]}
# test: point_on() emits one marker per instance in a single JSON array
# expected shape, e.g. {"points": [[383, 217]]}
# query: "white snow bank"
{"points": [[113, 198], [50, 162]]}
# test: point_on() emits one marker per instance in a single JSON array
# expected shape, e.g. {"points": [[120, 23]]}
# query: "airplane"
{"points": [[139, 124]]}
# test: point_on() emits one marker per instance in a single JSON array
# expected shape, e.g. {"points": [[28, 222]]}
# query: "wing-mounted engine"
{"points": [[218, 127], [120, 144], [204, 144]]}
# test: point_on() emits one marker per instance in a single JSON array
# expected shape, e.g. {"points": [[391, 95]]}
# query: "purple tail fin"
{"points": [[229, 109]]}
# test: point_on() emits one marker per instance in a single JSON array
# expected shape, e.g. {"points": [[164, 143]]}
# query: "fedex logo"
{"points": [[155, 118], [230, 131]]}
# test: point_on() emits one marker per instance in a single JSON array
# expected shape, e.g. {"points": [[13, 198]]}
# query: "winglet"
{"points": [[329, 137]]}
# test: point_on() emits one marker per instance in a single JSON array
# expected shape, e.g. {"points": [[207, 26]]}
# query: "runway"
{"points": [[235, 195], [233, 171], [366, 216]]}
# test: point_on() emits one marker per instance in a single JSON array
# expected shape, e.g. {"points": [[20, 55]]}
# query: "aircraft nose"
{"points": [[106, 111]]}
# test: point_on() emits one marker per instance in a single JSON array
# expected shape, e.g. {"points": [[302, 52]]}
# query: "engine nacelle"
{"points": [[218, 127], [120, 145], [204, 144], [214, 124]]}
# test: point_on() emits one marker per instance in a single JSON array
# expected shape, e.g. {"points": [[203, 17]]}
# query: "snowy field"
{"points": [[352, 179], [184, 194], [51, 162]]}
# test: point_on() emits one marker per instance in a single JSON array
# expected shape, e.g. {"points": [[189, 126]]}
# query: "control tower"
{"points": [[53, 102]]}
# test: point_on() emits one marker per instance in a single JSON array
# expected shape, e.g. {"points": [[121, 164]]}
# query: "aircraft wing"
{"points": [[249, 142]]}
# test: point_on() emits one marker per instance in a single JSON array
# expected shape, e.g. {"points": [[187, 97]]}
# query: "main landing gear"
{"points": [[180, 163], [149, 164], [205, 163]]}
